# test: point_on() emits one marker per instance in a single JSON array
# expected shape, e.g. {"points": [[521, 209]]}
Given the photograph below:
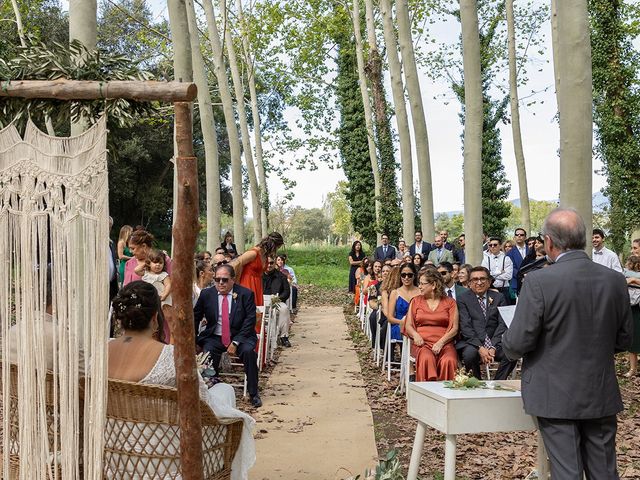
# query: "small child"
{"points": [[155, 273]]}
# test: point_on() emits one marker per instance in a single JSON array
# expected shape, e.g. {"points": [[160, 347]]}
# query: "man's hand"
{"points": [[486, 356], [231, 349]]}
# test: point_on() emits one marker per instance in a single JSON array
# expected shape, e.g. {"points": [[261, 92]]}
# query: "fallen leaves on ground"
{"points": [[499, 456]]}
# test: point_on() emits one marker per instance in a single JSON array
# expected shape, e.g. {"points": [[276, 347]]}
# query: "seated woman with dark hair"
{"points": [[137, 356], [432, 324]]}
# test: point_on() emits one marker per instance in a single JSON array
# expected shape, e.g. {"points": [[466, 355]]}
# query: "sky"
{"points": [[540, 132]]}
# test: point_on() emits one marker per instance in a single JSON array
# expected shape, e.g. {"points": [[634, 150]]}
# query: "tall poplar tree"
{"points": [[616, 98]]}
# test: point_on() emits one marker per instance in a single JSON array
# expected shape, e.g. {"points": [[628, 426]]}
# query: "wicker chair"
{"points": [[142, 435], [14, 432]]}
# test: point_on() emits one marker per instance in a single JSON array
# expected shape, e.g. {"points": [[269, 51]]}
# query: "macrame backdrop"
{"points": [[54, 210]]}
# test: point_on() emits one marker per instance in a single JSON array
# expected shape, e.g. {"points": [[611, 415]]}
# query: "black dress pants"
{"points": [[470, 356], [245, 351]]}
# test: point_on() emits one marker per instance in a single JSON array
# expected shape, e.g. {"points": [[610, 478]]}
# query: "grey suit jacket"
{"points": [[446, 256], [571, 318]]}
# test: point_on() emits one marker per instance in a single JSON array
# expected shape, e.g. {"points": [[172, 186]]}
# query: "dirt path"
{"points": [[315, 422]]}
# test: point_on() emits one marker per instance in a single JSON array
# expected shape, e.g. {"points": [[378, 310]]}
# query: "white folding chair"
{"points": [[262, 339], [387, 354], [376, 346], [407, 361]]}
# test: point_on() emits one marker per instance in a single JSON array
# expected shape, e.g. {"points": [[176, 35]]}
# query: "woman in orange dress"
{"points": [[432, 325], [250, 266]]}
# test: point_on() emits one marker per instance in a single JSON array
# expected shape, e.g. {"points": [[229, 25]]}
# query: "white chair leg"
{"points": [[385, 349], [377, 342], [389, 354]]}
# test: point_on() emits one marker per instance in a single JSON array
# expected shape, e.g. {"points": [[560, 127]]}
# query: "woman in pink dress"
{"points": [[432, 325], [140, 243]]}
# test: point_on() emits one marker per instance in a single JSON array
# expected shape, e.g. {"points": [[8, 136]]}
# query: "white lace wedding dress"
{"points": [[222, 400]]}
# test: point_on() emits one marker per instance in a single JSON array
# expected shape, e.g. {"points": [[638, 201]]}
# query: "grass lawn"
{"points": [[325, 266]]}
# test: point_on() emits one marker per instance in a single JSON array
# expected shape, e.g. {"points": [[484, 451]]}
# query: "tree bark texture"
{"points": [[554, 47], [381, 120], [230, 121], [575, 107], [257, 131], [368, 116], [397, 88], [238, 86], [209, 135], [16, 11], [182, 68], [185, 233], [515, 121], [418, 117], [83, 26], [472, 131], [63, 89]]}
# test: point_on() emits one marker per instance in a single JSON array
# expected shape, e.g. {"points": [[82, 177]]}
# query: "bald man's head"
{"points": [[566, 229]]}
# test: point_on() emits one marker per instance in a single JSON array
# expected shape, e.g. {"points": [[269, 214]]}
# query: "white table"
{"points": [[453, 412]]}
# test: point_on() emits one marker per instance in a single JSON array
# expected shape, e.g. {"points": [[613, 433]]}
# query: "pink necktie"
{"points": [[226, 331]]}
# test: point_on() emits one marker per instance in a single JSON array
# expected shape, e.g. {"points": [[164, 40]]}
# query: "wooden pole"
{"points": [[185, 231], [63, 89]]}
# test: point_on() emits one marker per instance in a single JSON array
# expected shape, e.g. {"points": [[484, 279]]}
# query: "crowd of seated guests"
{"points": [[449, 309]]}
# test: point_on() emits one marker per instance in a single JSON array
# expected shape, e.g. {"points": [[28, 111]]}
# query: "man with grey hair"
{"points": [[571, 318]]}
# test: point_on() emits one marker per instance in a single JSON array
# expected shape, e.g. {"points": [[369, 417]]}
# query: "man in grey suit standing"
{"points": [[570, 320]]}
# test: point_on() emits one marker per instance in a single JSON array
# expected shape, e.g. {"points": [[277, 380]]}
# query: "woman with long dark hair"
{"points": [[356, 255], [250, 266]]}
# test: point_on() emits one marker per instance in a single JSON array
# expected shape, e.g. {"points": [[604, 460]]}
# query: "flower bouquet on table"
{"points": [[464, 381], [207, 372]]}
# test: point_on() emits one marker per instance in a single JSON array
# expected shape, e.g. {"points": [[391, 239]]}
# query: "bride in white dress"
{"points": [[137, 356]]}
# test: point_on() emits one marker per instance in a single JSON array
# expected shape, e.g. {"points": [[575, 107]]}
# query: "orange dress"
{"points": [[251, 277], [432, 325]]}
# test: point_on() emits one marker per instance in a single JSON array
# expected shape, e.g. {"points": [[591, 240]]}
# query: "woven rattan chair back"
{"points": [[10, 408], [142, 435]]}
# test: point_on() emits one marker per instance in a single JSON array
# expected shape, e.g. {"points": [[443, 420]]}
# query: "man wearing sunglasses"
{"points": [[225, 321], [500, 267], [517, 255]]}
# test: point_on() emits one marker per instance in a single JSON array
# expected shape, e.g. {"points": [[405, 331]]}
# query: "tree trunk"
{"points": [[554, 48], [575, 106], [182, 69], [16, 11], [472, 131], [390, 210], [366, 101], [230, 121], [208, 125], [83, 18], [397, 88], [185, 235], [238, 85], [257, 130], [418, 118], [515, 121]]}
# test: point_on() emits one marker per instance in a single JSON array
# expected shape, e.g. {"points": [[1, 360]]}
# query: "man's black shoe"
{"points": [[256, 401], [285, 342]]}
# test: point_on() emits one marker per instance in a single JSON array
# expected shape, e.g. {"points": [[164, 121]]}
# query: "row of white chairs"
{"points": [[383, 357]]}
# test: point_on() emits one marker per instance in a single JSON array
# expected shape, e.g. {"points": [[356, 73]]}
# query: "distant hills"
{"points": [[598, 200]]}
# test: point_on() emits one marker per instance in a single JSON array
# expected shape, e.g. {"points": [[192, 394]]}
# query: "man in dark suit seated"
{"points": [[481, 327], [225, 319], [571, 319], [385, 251], [423, 248]]}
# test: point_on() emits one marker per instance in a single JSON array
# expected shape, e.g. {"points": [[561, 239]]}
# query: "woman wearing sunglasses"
{"points": [[400, 299]]}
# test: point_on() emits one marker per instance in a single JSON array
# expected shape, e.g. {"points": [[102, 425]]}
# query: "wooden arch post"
{"points": [[185, 230]]}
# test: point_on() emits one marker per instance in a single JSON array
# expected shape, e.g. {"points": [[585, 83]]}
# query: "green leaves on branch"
{"points": [[38, 61]]}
